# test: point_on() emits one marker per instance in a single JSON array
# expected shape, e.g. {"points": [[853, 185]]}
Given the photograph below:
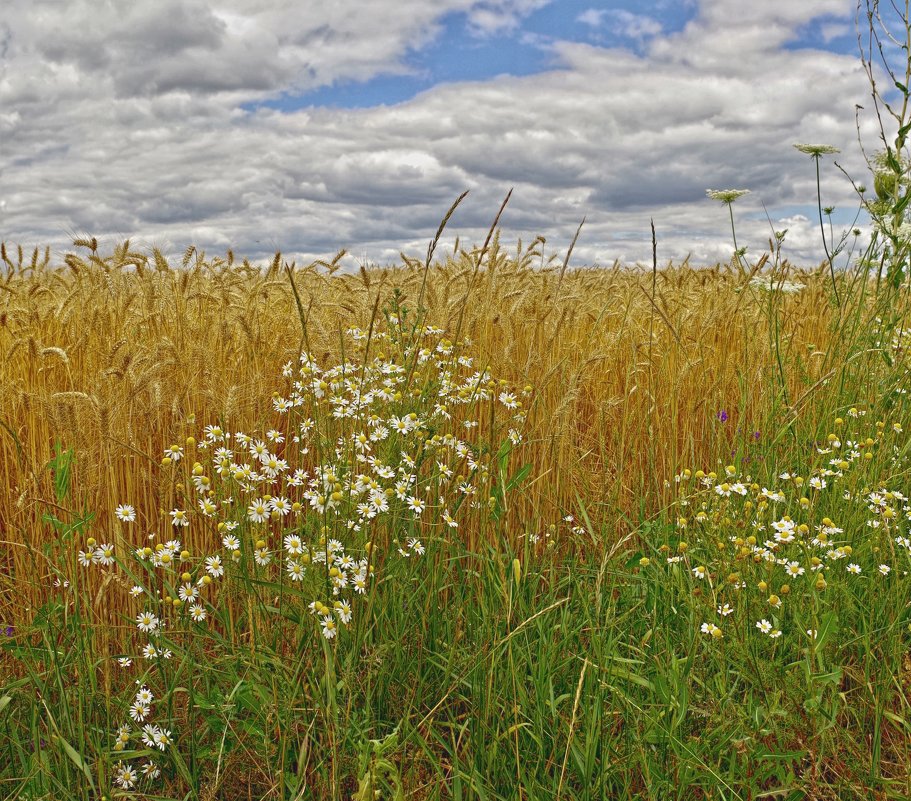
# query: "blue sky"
{"points": [[458, 53], [309, 127]]}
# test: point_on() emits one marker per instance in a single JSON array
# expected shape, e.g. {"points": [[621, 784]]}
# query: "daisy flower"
{"points": [[214, 566], [258, 511], [147, 622], [125, 513]]}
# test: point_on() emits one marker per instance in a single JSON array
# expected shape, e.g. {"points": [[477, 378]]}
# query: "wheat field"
{"points": [[559, 638]]}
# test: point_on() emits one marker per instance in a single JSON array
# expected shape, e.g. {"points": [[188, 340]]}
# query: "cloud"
{"points": [[101, 135], [593, 17]]}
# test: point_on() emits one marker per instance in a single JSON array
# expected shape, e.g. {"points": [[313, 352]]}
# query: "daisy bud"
{"points": [[762, 586], [185, 577], [645, 561], [190, 442], [91, 542], [184, 555], [166, 461]]}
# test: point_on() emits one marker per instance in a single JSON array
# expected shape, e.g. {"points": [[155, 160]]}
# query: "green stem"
{"points": [[822, 230]]}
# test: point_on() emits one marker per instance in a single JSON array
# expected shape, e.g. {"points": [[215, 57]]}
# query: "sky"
{"points": [[308, 127]]}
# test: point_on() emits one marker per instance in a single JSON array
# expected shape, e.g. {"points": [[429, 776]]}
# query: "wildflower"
{"points": [[295, 570], [214, 566], [811, 633], [179, 518], [124, 661], [125, 513], [764, 626], [280, 505], [722, 416], [174, 453], [258, 511], [139, 711], [711, 629], [231, 542], [147, 622], [136, 590], [853, 568], [144, 695], [416, 505], [699, 572], [187, 593], [794, 569], [262, 556], [726, 196], [416, 546], [104, 555], [125, 776], [884, 569], [85, 559], [817, 483], [725, 610], [197, 613], [329, 627], [816, 150], [343, 610], [151, 771]]}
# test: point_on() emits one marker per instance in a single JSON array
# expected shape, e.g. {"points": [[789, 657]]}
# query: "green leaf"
{"points": [[76, 759], [518, 477], [827, 627]]}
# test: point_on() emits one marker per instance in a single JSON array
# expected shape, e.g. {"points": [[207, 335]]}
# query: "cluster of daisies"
{"points": [[370, 456], [735, 535]]}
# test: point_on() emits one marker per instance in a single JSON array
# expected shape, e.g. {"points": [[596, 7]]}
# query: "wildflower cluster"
{"points": [[774, 560], [369, 461]]}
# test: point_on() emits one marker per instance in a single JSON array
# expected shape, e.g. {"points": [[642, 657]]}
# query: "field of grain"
{"points": [[476, 528]]}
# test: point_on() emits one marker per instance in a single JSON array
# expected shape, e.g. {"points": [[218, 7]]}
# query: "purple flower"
{"points": [[9, 631], [723, 416], [756, 435]]}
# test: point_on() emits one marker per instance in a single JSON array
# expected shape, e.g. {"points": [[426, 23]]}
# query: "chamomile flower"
{"points": [[197, 613], [295, 570], [854, 568], [125, 513], [104, 555], [125, 776], [793, 569], [179, 518], [711, 629], [884, 570], [764, 626], [231, 542], [147, 623], [329, 627], [214, 566], [258, 511]]}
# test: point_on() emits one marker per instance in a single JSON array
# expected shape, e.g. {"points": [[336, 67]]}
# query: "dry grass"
{"points": [[118, 357]]}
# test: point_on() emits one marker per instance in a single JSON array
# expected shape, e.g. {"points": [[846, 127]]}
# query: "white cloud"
{"points": [[132, 126], [592, 16]]}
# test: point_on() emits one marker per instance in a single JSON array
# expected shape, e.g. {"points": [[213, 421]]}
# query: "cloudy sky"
{"points": [[306, 127]]}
